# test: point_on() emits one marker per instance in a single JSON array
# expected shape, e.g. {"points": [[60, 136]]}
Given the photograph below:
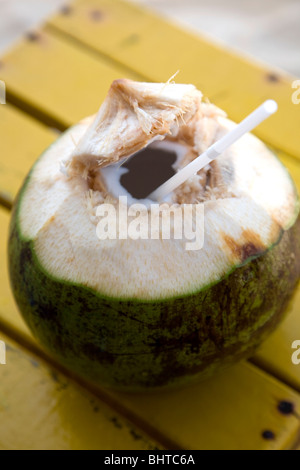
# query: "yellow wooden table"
{"points": [[54, 77]]}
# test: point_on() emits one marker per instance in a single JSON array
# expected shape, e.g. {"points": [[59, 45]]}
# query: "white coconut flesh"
{"points": [[247, 195]]}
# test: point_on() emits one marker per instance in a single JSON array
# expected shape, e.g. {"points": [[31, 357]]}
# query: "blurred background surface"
{"points": [[266, 29]]}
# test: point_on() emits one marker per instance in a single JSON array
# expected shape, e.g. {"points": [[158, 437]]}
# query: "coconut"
{"points": [[141, 312]]}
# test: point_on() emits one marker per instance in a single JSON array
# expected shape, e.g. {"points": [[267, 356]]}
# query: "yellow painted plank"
{"points": [[156, 49], [254, 390], [57, 80], [210, 415], [231, 411], [42, 410], [22, 140]]}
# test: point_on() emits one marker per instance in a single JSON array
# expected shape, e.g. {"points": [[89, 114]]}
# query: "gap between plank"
{"points": [[5, 203], [37, 113], [51, 29]]}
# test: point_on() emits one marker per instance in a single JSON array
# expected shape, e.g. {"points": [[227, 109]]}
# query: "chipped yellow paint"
{"points": [[57, 81], [42, 410], [22, 140], [230, 411], [156, 49]]}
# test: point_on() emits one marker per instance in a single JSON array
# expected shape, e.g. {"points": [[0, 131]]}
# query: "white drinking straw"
{"points": [[253, 120]]}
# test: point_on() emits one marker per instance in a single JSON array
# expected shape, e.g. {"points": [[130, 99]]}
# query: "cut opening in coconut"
{"points": [[147, 170], [141, 173]]}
